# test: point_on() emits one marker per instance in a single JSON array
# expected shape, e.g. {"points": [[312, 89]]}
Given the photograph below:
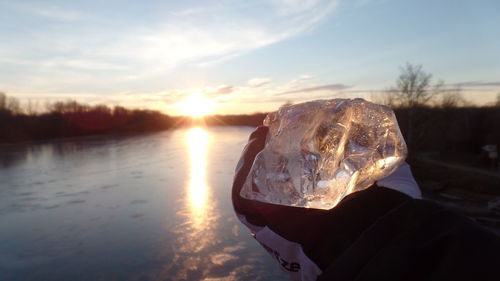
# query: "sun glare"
{"points": [[197, 105]]}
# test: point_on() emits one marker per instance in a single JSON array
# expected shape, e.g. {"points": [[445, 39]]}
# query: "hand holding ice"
{"points": [[318, 152]]}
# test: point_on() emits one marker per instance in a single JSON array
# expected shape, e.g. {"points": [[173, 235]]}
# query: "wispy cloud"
{"points": [[219, 90], [360, 3], [141, 49], [46, 10], [286, 7], [478, 84], [81, 64], [329, 87], [302, 78], [188, 11], [259, 82], [58, 13]]}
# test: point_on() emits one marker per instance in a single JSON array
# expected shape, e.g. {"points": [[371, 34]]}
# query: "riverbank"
{"points": [[465, 189]]}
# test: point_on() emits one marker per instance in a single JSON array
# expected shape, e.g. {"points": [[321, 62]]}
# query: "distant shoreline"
{"points": [[20, 128]]}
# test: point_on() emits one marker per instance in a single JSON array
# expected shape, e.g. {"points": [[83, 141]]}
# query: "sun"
{"points": [[197, 105]]}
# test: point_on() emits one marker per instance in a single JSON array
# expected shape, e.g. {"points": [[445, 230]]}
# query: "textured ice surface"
{"points": [[318, 152]]}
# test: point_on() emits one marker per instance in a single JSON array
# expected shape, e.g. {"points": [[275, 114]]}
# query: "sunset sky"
{"points": [[245, 56]]}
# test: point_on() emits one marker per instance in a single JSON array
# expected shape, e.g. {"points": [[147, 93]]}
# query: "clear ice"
{"points": [[318, 152]]}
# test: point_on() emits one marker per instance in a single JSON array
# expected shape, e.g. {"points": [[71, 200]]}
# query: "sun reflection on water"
{"points": [[197, 233], [206, 243], [198, 143]]}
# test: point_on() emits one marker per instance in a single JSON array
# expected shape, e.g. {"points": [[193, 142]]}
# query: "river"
{"points": [[149, 207]]}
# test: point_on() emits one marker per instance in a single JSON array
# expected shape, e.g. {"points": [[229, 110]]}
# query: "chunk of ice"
{"points": [[318, 152]]}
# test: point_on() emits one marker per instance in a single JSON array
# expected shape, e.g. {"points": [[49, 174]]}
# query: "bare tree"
{"points": [[13, 105], [70, 106], [3, 100], [384, 97], [32, 107], [413, 90], [452, 98], [9, 104], [413, 87]]}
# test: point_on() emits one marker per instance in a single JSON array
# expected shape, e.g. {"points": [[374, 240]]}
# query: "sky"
{"points": [[245, 56]]}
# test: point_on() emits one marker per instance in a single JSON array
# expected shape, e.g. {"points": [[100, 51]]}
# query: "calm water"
{"points": [[151, 207]]}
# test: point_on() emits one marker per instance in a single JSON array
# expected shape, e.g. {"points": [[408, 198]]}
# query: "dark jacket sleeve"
{"points": [[374, 234], [415, 240]]}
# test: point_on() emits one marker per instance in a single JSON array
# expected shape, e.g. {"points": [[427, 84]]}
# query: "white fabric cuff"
{"points": [[402, 180]]}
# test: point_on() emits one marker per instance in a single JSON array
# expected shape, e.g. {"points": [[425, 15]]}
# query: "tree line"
{"points": [[70, 119]]}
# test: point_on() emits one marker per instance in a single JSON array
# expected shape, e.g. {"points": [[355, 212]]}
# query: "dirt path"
{"points": [[460, 190], [428, 157]]}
